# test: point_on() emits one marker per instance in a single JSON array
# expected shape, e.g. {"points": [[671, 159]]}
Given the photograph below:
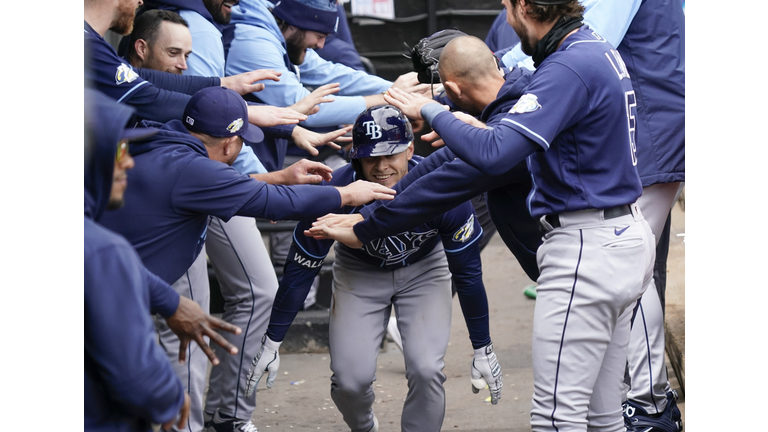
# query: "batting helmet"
{"points": [[380, 130]]}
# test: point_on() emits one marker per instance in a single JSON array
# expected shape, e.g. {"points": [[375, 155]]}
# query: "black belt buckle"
{"points": [[614, 212]]}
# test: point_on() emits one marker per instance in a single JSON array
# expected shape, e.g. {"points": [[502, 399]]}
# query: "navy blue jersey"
{"points": [[579, 112], [116, 78], [457, 229], [173, 189]]}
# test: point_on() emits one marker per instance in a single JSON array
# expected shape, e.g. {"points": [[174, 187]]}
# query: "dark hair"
{"points": [[147, 25], [542, 13], [281, 24]]}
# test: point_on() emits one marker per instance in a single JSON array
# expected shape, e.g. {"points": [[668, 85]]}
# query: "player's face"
{"points": [[123, 162], [515, 19], [126, 13], [171, 48], [298, 41], [221, 10], [387, 170]]}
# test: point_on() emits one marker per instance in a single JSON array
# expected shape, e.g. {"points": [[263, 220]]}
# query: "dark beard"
{"points": [[215, 9], [124, 24], [295, 48]]}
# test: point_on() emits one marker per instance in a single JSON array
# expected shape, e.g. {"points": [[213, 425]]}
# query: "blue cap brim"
{"points": [[253, 134]]}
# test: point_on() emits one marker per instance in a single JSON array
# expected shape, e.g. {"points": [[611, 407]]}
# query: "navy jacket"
{"points": [[128, 379], [174, 189]]}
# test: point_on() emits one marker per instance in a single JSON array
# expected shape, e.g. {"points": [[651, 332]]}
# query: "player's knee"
{"points": [[349, 387], [424, 373]]}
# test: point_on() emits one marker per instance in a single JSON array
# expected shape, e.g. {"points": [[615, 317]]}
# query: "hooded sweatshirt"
{"points": [[129, 382], [174, 189], [258, 43]]}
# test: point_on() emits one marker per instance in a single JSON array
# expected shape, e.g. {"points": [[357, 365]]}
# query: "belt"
{"points": [[609, 213]]}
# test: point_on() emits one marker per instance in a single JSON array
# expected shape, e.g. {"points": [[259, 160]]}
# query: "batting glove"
{"points": [[267, 360], [486, 372]]}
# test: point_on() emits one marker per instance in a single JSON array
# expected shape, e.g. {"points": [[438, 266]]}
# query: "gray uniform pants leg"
{"points": [[360, 309], [590, 281], [248, 285], [649, 383], [192, 285]]}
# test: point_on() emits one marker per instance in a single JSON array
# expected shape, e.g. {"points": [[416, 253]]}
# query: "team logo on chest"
{"points": [[528, 103], [397, 248], [465, 232], [372, 129], [125, 74]]}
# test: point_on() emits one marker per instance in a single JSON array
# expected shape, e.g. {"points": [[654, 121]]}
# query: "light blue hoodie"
{"points": [[259, 44]]}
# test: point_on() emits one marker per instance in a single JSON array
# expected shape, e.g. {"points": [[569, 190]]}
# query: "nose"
{"points": [[182, 64], [127, 162], [320, 43]]}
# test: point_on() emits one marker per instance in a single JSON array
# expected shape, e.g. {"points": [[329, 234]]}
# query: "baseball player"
{"points": [[410, 271], [574, 124], [650, 36], [181, 179]]}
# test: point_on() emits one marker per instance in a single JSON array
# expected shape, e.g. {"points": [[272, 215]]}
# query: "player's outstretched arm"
{"points": [[189, 322], [302, 172], [267, 115]]}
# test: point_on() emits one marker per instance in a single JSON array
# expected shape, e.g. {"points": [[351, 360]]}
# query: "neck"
{"points": [[100, 18], [489, 91]]}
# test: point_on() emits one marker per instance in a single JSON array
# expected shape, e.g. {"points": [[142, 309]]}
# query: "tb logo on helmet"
{"points": [[372, 129]]}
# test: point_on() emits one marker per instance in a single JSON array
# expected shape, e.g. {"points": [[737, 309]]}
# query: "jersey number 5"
{"points": [[632, 122]]}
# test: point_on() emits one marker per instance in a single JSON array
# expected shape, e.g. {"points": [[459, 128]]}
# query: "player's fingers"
{"points": [[219, 324], [438, 143], [183, 343], [207, 349], [221, 341], [257, 87]]}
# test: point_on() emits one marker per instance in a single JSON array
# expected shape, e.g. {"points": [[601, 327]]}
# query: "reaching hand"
{"points": [[243, 83], [189, 322], [409, 83], [306, 172], [309, 104], [409, 103], [308, 140], [267, 115], [362, 192], [486, 372], [267, 360], [341, 234], [468, 119]]}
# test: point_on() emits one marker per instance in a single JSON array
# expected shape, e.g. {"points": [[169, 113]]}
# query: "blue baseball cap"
{"points": [[220, 112], [315, 15]]}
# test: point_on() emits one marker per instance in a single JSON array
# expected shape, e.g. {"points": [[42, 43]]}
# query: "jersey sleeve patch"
{"points": [[125, 74], [527, 103], [463, 234]]}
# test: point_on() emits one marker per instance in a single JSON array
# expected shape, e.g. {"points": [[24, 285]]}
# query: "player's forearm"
{"points": [[294, 288], [163, 299], [186, 84], [491, 151]]}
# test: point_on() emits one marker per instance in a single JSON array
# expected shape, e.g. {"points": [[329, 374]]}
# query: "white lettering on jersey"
{"points": [[632, 122], [372, 129], [618, 64], [306, 262]]}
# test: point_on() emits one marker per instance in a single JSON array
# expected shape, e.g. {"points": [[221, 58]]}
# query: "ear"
{"points": [[229, 145], [409, 151], [454, 87], [141, 48]]}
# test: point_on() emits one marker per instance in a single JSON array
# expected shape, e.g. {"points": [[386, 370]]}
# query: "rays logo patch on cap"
{"points": [[125, 74], [528, 103], [235, 125], [465, 232]]}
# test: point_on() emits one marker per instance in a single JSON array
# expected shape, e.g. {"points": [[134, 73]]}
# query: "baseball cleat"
{"points": [[220, 424], [637, 419]]}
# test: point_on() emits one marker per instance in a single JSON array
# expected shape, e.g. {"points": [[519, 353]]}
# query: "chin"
{"points": [[115, 203]]}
